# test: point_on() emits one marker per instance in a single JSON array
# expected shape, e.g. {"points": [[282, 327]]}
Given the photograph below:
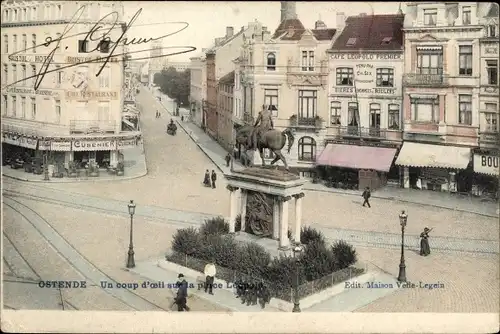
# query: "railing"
{"points": [[417, 79], [489, 137], [80, 126], [307, 121], [356, 131]]}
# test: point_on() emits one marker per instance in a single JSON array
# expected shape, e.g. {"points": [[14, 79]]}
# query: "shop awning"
{"points": [[357, 157], [437, 156]]}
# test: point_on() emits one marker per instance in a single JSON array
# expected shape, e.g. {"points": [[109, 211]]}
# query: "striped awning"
{"points": [[430, 48], [437, 156]]}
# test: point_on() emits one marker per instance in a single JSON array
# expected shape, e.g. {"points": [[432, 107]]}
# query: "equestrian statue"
{"points": [[262, 135]]}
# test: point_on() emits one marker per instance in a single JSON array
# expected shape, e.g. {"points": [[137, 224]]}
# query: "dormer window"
{"points": [[430, 17], [351, 41], [386, 40], [271, 61], [492, 31], [466, 15]]}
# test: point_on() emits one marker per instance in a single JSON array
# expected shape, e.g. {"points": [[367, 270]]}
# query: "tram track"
{"points": [[90, 266]]}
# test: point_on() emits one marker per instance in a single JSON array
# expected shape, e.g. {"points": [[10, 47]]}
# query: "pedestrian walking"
{"points": [[182, 118], [209, 277], [366, 195], [181, 297], [228, 159], [206, 179], [424, 242], [214, 178]]}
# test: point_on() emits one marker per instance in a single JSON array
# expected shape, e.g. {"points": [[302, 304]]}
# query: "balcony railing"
{"points": [[363, 132], [314, 122], [489, 137], [416, 79], [80, 126], [306, 121]]}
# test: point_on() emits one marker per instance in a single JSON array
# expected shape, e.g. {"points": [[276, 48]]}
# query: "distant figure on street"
{"points": [[214, 178], [206, 180], [181, 297], [366, 195], [209, 277], [228, 159], [182, 118], [424, 242]]}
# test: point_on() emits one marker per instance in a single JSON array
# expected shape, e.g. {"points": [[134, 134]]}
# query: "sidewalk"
{"points": [[135, 167], [429, 198]]}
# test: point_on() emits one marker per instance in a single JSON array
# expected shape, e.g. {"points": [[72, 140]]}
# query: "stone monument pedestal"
{"points": [[282, 185]]}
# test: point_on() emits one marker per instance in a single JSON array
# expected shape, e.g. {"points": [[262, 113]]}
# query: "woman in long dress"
{"points": [[424, 242]]}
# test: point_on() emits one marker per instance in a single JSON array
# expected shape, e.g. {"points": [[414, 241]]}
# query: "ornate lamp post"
{"points": [[403, 217], [130, 259], [297, 250]]}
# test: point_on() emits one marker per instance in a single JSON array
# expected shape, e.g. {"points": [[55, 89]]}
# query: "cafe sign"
{"points": [[91, 95], [486, 164], [94, 145], [366, 56], [28, 142], [124, 144], [61, 146]]}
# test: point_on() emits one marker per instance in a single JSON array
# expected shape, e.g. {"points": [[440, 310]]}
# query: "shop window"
{"points": [[393, 117], [271, 61], [385, 77], [335, 109], [307, 149], [465, 109], [345, 76], [465, 60], [425, 109]]}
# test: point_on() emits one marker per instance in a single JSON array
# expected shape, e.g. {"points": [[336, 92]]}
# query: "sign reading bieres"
{"points": [[94, 145], [486, 164], [351, 90]]}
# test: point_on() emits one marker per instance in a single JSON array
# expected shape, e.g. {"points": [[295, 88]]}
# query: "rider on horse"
{"points": [[263, 123]]}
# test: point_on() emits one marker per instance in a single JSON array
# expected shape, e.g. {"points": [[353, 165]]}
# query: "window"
{"points": [[335, 108], [352, 118], [465, 60], [393, 116], [33, 108], [351, 41], [491, 118], [58, 111], [59, 74], [430, 17], [14, 43], [465, 109], [271, 62], [374, 115], [430, 61], [23, 107], [345, 76], [25, 43], [23, 73], [385, 77], [83, 46], [271, 100], [104, 78], [33, 73], [14, 73], [307, 149], [15, 15], [5, 74], [34, 13], [14, 106], [492, 69], [5, 104], [425, 109], [466, 15], [6, 43], [492, 31], [104, 45], [33, 43], [59, 12], [25, 15], [307, 61], [307, 104]]}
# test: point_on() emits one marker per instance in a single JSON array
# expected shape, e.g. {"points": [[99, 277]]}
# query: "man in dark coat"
{"points": [[181, 297], [214, 178], [206, 179], [366, 195], [228, 159]]}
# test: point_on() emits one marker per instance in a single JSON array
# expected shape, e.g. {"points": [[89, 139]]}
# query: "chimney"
{"points": [[340, 21], [288, 10], [229, 31]]}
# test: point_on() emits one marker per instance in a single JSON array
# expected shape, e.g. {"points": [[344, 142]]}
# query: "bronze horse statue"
{"points": [[273, 140]]}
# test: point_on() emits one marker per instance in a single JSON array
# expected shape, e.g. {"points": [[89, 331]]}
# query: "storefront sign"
{"points": [[60, 146], [94, 145], [90, 95], [28, 142], [28, 58], [44, 145], [486, 164], [10, 139], [78, 60], [366, 56], [344, 90], [124, 144], [372, 91], [30, 91]]}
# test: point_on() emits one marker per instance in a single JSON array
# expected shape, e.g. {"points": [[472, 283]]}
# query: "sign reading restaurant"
{"points": [[366, 56], [86, 95], [486, 164]]}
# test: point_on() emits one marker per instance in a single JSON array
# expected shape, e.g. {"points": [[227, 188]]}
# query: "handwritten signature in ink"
{"points": [[105, 39]]}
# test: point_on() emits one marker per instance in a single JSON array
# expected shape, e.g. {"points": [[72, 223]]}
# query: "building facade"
{"points": [[441, 94], [198, 89], [365, 101], [69, 113], [225, 105], [287, 72], [155, 63]]}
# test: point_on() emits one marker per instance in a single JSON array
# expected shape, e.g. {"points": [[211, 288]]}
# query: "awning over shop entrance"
{"points": [[437, 156], [357, 157]]}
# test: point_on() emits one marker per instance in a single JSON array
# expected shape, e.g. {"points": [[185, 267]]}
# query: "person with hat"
{"points": [[424, 242], [209, 277], [181, 297]]}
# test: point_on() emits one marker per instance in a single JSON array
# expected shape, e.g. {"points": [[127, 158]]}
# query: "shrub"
{"points": [[283, 272], [216, 225], [318, 260], [308, 234], [237, 223], [187, 241], [344, 254], [253, 259]]}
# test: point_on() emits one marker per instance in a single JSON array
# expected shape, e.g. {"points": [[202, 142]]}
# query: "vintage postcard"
{"points": [[220, 167]]}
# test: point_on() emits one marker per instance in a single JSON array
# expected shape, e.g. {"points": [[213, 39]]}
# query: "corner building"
{"points": [[74, 115]]}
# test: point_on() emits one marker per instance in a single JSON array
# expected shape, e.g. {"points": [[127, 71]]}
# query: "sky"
{"points": [[209, 19]]}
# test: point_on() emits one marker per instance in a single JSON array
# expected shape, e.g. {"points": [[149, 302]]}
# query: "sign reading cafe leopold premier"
{"points": [[486, 164]]}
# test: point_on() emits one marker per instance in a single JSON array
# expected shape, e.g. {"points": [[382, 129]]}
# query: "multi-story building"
{"points": [[198, 89], [156, 61], [288, 73], [69, 112], [225, 107], [178, 65], [441, 87], [365, 100]]}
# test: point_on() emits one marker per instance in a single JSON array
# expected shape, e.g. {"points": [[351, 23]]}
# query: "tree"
{"points": [[174, 84]]}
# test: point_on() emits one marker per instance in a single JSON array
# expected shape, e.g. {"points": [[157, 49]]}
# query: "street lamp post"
{"points": [[46, 167], [296, 300], [403, 217], [130, 259]]}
